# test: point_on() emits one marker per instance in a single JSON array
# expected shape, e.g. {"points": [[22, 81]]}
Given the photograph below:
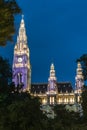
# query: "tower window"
{"points": [[51, 100], [19, 78]]}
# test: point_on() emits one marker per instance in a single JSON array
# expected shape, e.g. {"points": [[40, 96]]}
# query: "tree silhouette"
{"points": [[5, 74], [83, 60], [8, 9]]}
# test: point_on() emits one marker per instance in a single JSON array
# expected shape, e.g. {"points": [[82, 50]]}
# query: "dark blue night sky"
{"points": [[57, 32]]}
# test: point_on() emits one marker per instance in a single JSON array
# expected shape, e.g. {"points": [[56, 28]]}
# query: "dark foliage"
{"points": [[20, 111], [83, 60], [5, 74], [66, 119], [8, 9], [84, 103]]}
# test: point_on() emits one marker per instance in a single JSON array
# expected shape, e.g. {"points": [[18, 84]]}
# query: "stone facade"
{"points": [[54, 92]]}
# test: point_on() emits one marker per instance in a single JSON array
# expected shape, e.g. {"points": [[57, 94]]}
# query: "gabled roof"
{"points": [[62, 87]]}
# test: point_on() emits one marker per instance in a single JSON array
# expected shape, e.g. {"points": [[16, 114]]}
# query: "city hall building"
{"points": [[52, 92]]}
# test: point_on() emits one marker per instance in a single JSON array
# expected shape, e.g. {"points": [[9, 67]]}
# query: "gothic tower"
{"points": [[52, 86], [79, 81], [21, 61], [79, 77]]}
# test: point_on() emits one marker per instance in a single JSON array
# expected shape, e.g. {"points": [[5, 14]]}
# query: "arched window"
{"points": [[19, 78]]}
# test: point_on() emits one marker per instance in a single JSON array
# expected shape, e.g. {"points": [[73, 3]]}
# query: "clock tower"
{"points": [[21, 61]]}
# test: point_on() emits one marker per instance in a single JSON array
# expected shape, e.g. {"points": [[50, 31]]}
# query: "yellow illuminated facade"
{"points": [[52, 92]]}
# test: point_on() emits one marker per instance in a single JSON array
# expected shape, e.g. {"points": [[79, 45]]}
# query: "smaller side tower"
{"points": [[52, 86], [79, 81]]}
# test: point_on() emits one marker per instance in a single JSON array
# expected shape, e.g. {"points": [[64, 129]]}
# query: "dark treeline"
{"points": [[8, 10]]}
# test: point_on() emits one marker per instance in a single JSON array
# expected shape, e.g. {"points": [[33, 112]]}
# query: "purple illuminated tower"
{"points": [[52, 86], [21, 61]]}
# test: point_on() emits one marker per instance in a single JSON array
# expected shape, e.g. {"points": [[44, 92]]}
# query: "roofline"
{"points": [[43, 83]]}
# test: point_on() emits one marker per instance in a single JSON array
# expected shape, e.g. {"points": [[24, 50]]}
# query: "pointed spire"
{"points": [[22, 30], [52, 66], [22, 25], [52, 72], [79, 69], [22, 38], [22, 16]]}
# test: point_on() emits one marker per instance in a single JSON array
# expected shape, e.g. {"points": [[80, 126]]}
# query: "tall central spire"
{"points": [[21, 61], [22, 31], [21, 39]]}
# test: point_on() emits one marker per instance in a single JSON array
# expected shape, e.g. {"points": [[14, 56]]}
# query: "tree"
{"points": [[22, 112], [5, 74], [83, 60], [64, 120], [84, 102], [8, 9]]}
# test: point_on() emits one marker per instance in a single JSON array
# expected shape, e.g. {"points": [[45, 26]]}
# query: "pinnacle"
{"points": [[22, 16]]}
